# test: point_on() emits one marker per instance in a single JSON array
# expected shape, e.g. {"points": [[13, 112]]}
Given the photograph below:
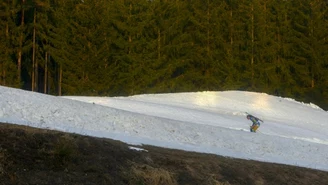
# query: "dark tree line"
{"points": [[125, 47]]}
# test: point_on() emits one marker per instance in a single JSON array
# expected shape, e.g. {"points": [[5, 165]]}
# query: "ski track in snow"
{"points": [[213, 122]]}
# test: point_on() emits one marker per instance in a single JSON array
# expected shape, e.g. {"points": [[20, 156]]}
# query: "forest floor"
{"points": [[39, 156]]}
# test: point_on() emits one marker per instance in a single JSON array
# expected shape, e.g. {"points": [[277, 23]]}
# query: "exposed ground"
{"points": [[36, 156]]}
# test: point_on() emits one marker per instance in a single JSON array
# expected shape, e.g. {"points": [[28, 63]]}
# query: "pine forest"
{"points": [[128, 47]]}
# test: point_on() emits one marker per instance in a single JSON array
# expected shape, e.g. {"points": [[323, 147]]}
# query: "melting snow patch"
{"points": [[138, 149]]}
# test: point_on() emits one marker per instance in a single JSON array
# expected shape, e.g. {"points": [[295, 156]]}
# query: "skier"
{"points": [[256, 122]]}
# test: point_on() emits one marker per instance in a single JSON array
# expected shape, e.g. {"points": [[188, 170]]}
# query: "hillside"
{"points": [[35, 156]]}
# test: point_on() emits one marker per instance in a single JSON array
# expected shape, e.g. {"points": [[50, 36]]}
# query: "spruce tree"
{"points": [[8, 67], [310, 33]]}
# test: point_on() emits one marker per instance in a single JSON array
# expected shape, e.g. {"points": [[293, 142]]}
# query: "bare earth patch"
{"points": [[38, 156]]}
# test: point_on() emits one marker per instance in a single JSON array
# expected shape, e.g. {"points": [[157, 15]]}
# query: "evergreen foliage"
{"points": [[126, 47]]}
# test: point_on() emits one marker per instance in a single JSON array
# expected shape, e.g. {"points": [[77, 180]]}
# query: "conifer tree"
{"points": [[310, 30], [8, 67]]}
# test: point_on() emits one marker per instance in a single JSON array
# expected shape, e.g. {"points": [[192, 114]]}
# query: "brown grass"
{"points": [[150, 175], [36, 156]]}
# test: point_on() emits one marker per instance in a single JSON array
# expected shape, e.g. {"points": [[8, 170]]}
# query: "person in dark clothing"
{"points": [[256, 122]]}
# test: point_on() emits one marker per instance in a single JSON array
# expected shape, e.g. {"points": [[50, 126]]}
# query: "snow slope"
{"points": [[213, 122]]}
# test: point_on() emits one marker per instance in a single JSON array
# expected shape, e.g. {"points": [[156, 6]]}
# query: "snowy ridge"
{"points": [[211, 122]]}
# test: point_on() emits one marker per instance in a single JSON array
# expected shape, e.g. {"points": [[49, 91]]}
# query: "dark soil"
{"points": [[37, 156]]}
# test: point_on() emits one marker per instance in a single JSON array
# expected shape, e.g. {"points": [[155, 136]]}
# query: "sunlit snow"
{"points": [[293, 133]]}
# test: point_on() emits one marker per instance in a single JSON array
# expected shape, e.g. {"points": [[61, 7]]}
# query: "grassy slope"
{"points": [[36, 156]]}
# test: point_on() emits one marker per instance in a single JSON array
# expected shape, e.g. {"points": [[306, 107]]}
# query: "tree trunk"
{"points": [[130, 34], [60, 80], [19, 60], [45, 74], [159, 43], [3, 75], [33, 54], [252, 47], [231, 28], [208, 28]]}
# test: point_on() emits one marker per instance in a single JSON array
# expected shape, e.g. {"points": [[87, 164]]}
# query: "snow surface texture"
{"points": [[293, 133]]}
